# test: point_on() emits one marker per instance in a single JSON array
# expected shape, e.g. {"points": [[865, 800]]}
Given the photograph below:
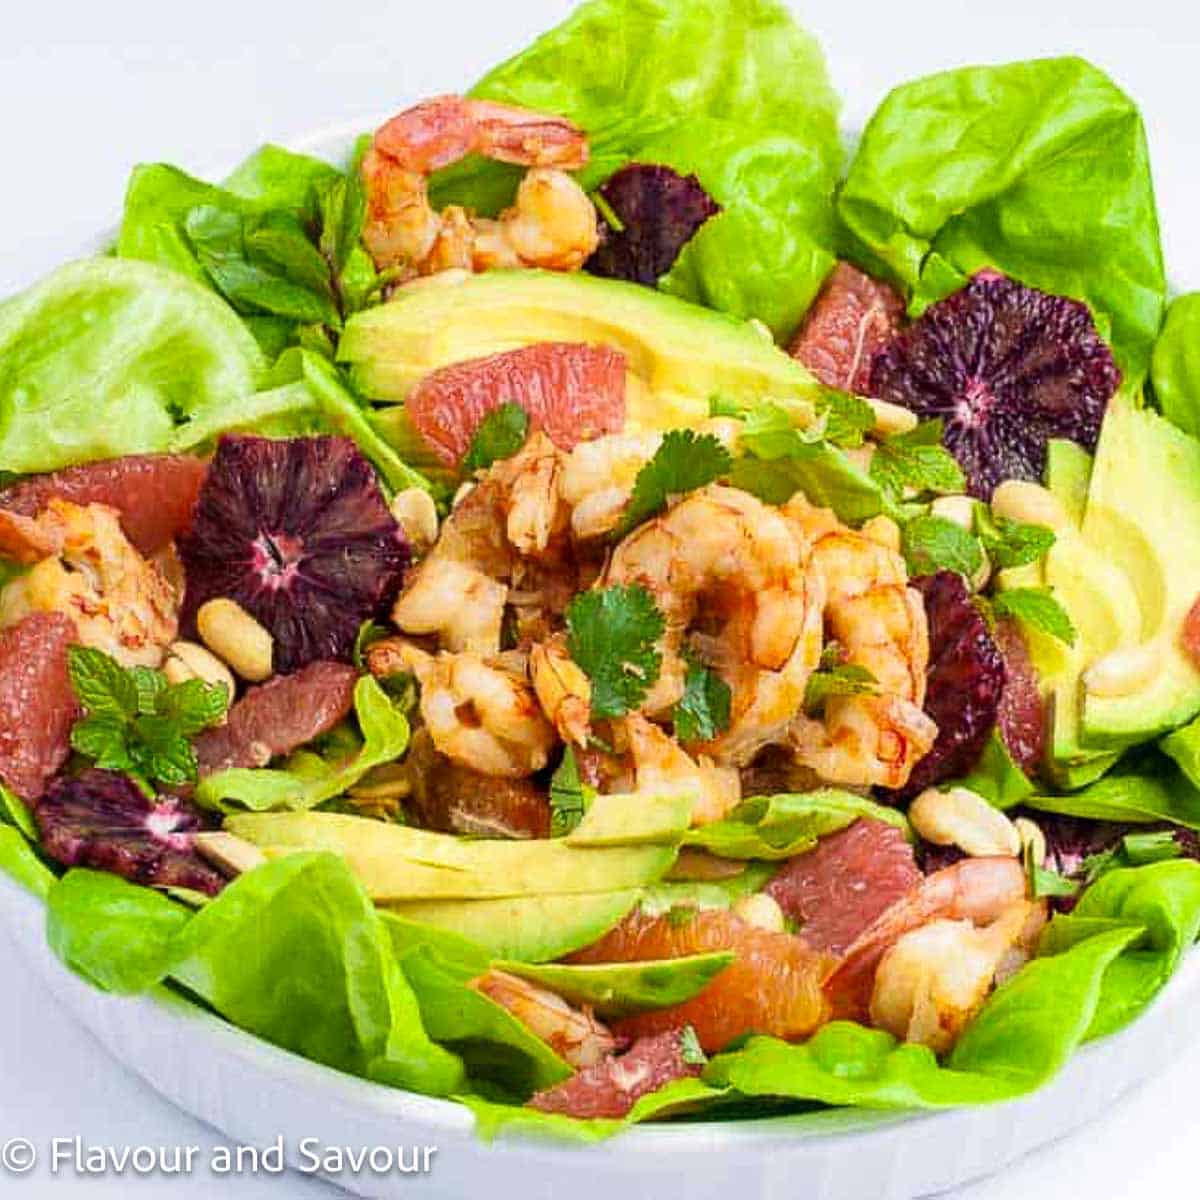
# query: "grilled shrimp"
{"points": [[976, 890], [478, 713], [552, 223], [119, 602], [511, 518], [598, 478], [877, 739], [573, 1034], [661, 765], [932, 983], [562, 689], [723, 555]]}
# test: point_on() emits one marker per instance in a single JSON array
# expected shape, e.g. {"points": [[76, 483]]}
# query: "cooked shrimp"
{"points": [[478, 714], [977, 890], [119, 602], [552, 224], [598, 479], [573, 1034], [866, 740], [722, 555], [459, 590], [562, 689], [661, 765], [932, 983]]}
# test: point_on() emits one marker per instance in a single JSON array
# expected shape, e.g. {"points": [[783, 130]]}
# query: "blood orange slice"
{"points": [[773, 986], [154, 493], [837, 889], [37, 705], [572, 391]]}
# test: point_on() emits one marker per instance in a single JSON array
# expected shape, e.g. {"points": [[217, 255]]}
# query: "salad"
{"points": [[606, 607]]}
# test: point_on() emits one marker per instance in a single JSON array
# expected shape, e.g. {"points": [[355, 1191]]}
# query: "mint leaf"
{"points": [[102, 738], [683, 462], [703, 710], [847, 419], [1036, 606], [916, 460], [1011, 543], [192, 706], [567, 796], [611, 635], [934, 544], [101, 684], [499, 435]]}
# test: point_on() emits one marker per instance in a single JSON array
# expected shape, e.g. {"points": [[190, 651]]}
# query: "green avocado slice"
{"points": [[631, 818], [617, 989]]}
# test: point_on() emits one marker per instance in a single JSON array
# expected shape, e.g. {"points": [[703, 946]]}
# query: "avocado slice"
{"points": [[632, 818], [617, 989], [1068, 474], [1143, 514], [679, 354], [526, 928]]}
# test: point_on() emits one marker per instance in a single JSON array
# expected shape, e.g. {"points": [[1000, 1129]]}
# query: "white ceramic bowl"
{"points": [[255, 1093]]}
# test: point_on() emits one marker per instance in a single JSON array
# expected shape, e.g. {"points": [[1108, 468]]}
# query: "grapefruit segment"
{"points": [[153, 493], [847, 880], [773, 986], [571, 391]]}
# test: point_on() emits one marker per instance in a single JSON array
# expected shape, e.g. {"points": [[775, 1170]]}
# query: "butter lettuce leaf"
{"points": [[1175, 366], [106, 357], [1039, 169], [730, 90]]}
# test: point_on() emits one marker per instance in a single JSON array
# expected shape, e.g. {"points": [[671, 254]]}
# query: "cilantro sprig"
{"points": [[137, 722], [684, 461], [703, 710], [611, 636], [499, 435]]}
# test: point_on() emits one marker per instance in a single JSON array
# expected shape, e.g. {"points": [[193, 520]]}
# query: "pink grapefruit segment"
{"points": [[571, 391]]}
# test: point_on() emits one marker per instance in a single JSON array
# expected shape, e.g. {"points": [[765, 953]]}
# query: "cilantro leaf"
{"points": [[1036, 606], [499, 435], [136, 721], [703, 710], [916, 460], [935, 544], [683, 462], [611, 635], [836, 678], [1011, 543], [568, 796]]}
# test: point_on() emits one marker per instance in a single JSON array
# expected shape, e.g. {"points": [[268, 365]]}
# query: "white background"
{"points": [[87, 89]]}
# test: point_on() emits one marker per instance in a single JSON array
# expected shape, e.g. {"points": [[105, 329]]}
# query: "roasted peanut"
{"points": [[416, 514], [761, 911], [891, 418], [959, 509], [189, 660], [963, 818], [1033, 840], [1029, 503], [234, 636]]}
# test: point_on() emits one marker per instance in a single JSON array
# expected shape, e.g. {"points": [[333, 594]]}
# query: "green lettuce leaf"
{"points": [[105, 357], [781, 826], [273, 177], [996, 775], [19, 862], [256, 954], [385, 732], [1029, 168], [731, 90], [1175, 366]]}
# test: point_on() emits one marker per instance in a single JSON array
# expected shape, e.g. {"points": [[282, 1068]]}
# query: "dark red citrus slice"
{"points": [[611, 1087], [154, 493], [573, 392], [1021, 717], [103, 820], [278, 717], [851, 320], [837, 889], [772, 987], [37, 704]]}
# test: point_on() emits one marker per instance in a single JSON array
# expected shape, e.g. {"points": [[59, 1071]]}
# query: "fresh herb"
{"points": [[1044, 882], [847, 418], [500, 435], [933, 543], [139, 723], [569, 796], [689, 1048], [1036, 606], [703, 710], [683, 462], [1011, 543], [836, 677], [1143, 848], [611, 636], [916, 460]]}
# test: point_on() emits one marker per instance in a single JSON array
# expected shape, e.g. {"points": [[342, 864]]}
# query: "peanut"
{"points": [[1123, 672], [760, 911], [231, 854], [891, 418], [188, 660], [416, 514], [234, 636], [959, 509], [1029, 503], [1033, 840], [963, 818]]}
